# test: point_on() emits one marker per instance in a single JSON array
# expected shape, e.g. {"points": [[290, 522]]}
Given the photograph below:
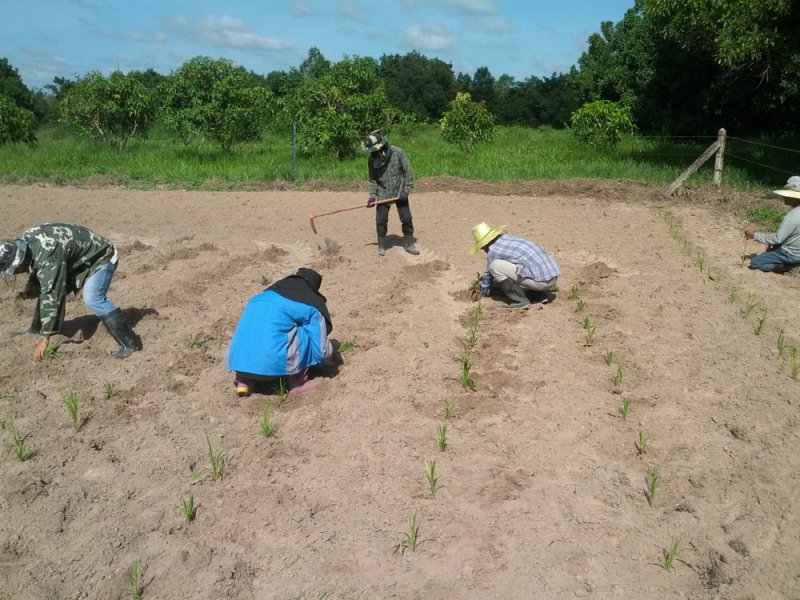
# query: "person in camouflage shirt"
{"points": [[390, 176], [63, 258]]}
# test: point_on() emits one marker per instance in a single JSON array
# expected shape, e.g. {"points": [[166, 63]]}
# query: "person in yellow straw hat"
{"points": [[783, 246], [514, 265]]}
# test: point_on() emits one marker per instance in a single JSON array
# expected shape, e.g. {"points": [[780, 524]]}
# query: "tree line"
{"points": [[669, 67]]}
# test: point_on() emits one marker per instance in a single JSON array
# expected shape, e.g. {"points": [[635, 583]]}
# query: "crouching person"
{"points": [[283, 332], [514, 265], [62, 258]]}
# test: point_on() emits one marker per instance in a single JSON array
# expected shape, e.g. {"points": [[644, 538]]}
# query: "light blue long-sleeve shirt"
{"points": [[787, 236]]}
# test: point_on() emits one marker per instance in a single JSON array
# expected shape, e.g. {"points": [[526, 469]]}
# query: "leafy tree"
{"points": [[215, 98], [112, 110], [149, 78], [417, 85], [483, 86], [335, 111], [759, 39], [11, 86], [17, 124], [466, 123], [315, 65], [601, 123]]}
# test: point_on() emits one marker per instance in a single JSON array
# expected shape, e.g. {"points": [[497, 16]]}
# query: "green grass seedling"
{"points": [[625, 409], [580, 306], [608, 357], [699, 262], [732, 295], [51, 350], [71, 402], [22, 451], [217, 463], [589, 337], [449, 409], [617, 378], [135, 581], [346, 346], [265, 424], [470, 340], [760, 323], [781, 344], [217, 460], [575, 292], [109, 390], [641, 444], [752, 303], [466, 365], [653, 481], [188, 508], [793, 362], [475, 316], [176, 366], [197, 342], [433, 480], [670, 555], [409, 539], [441, 433], [587, 322]]}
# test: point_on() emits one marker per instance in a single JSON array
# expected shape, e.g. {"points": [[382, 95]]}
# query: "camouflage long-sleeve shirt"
{"points": [[388, 178], [62, 257]]}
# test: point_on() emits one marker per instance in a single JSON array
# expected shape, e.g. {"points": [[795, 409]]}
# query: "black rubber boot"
{"points": [[381, 245], [514, 292], [408, 244], [121, 332]]}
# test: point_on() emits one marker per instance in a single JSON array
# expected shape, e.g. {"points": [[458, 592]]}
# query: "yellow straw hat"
{"points": [[483, 234]]}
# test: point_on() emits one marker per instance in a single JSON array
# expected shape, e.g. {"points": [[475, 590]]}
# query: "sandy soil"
{"points": [[542, 492]]}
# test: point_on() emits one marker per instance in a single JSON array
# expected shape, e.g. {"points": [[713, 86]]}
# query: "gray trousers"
{"points": [[501, 270]]}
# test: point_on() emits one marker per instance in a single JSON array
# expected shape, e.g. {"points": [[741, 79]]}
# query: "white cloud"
{"points": [[428, 37], [484, 7], [302, 9], [351, 12], [492, 25], [230, 32]]}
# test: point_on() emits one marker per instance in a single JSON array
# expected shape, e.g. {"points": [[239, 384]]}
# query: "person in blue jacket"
{"points": [[283, 331]]}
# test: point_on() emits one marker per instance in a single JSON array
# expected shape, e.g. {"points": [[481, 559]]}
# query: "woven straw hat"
{"points": [[483, 234], [791, 189]]}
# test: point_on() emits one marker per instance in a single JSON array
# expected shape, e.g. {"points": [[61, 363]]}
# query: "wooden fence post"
{"points": [[715, 147], [721, 135]]}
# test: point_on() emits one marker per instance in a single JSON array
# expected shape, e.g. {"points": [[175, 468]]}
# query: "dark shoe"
{"points": [[121, 332], [408, 244], [381, 246], [514, 292]]}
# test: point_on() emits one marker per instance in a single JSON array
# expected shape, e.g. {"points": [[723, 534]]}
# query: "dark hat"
{"points": [[311, 277], [374, 142], [12, 253]]}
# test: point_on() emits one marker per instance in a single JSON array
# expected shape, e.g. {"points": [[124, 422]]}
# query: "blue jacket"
{"points": [[277, 336]]}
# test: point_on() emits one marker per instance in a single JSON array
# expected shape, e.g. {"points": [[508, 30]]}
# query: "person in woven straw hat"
{"points": [[783, 246], [514, 265], [390, 176]]}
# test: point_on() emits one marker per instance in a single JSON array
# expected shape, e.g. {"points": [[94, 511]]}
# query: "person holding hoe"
{"points": [[390, 176], [783, 246], [63, 258], [283, 332], [514, 265]]}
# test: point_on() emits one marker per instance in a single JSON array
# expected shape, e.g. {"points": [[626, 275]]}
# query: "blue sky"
{"points": [[43, 39]]}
